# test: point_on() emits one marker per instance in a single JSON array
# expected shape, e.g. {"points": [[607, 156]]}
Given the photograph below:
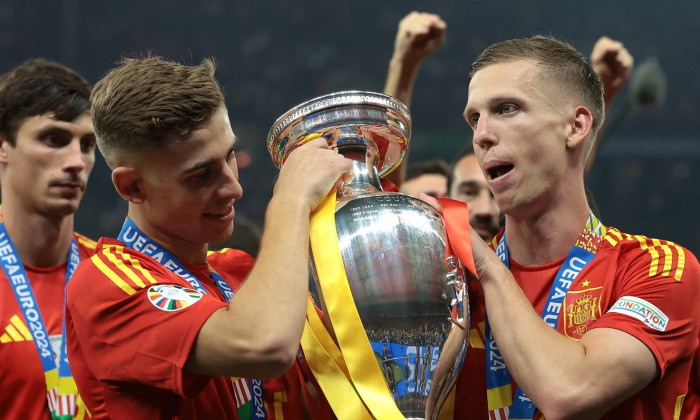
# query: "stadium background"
{"points": [[274, 54]]}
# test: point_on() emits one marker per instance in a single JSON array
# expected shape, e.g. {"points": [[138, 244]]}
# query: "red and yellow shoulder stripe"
{"points": [[667, 258], [122, 269], [219, 251], [85, 241]]}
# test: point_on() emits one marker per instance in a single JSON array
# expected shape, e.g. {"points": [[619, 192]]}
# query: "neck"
{"points": [[538, 239], [185, 252], [40, 240]]}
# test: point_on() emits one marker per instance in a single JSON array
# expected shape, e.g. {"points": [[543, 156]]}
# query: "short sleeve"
{"points": [[136, 321], [655, 300]]}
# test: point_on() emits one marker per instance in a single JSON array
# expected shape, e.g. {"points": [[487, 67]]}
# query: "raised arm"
{"points": [[613, 63], [418, 36]]}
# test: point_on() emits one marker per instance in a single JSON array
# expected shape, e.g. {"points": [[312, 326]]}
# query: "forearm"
{"points": [[598, 138], [553, 371], [418, 36], [278, 284], [258, 334], [400, 79], [399, 84]]}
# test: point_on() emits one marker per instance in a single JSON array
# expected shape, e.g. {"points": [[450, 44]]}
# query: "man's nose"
{"points": [[73, 156]]}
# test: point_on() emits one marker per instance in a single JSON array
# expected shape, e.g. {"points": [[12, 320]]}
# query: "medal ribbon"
{"points": [[62, 393], [134, 238], [498, 378]]}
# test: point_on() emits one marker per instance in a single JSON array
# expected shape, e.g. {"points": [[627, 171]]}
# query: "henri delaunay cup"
{"points": [[392, 244]]}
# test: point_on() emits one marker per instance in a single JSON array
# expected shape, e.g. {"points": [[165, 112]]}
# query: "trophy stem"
{"points": [[364, 156]]}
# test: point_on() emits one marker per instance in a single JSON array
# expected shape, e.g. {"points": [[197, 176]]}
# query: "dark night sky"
{"points": [[274, 54]]}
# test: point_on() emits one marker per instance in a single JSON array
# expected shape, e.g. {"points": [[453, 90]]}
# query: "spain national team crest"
{"points": [[172, 297], [581, 308]]}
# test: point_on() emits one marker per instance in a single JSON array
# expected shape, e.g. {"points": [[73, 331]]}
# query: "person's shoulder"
{"points": [[232, 263], [84, 242], [626, 242], [663, 257], [228, 255], [106, 245], [115, 252], [124, 267]]}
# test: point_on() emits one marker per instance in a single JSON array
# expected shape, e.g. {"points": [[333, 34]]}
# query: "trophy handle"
{"points": [[444, 371], [454, 350]]}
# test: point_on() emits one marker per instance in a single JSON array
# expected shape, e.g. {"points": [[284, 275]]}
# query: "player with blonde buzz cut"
{"points": [[575, 319]]}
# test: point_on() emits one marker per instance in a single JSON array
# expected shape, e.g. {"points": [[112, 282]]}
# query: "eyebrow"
{"points": [[201, 165], [58, 128], [468, 183], [53, 127], [490, 102]]}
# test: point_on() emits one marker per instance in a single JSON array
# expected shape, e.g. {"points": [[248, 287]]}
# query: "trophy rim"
{"points": [[331, 100]]}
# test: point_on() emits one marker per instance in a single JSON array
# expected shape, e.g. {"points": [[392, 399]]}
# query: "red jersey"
{"points": [[691, 405], [125, 368], [645, 287], [286, 398], [21, 373]]}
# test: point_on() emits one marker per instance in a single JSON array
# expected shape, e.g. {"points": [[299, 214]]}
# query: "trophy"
{"points": [[407, 292]]}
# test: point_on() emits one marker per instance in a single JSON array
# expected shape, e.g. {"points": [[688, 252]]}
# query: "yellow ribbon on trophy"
{"points": [[348, 373], [447, 407]]}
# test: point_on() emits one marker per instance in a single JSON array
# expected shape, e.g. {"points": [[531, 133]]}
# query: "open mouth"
{"points": [[498, 171]]}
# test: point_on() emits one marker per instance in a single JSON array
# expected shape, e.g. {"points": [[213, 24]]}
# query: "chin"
{"points": [[504, 205], [61, 209], [221, 236]]}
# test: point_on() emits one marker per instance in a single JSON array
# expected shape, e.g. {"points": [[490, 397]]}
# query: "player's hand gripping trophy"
{"points": [[382, 265]]}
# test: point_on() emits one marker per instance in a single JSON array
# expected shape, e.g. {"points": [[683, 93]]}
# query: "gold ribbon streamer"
{"points": [[365, 374], [324, 338], [447, 407], [327, 364]]}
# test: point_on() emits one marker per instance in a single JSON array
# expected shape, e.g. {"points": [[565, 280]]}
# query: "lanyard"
{"points": [[55, 372], [135, 239], [498, 378]]}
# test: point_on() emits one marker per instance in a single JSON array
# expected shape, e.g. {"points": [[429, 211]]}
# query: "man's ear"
{"points": [[129, 184], [580, 127], [3, 149]]}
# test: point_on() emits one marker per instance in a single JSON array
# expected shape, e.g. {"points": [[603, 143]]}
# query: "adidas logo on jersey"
{"points": [[16, 330]]}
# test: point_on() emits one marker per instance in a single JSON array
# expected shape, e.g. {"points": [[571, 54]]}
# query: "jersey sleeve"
{"points": [[655, 298], [136, 321]]}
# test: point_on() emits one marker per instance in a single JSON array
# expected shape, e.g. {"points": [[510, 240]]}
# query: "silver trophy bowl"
{"points": [[392, 244]]}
